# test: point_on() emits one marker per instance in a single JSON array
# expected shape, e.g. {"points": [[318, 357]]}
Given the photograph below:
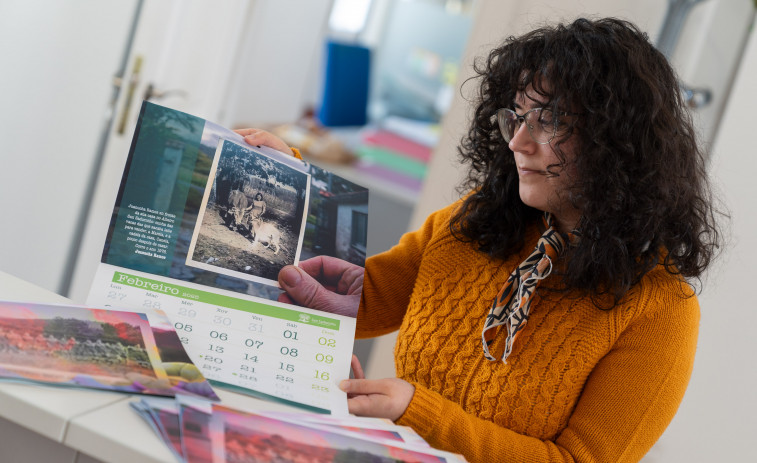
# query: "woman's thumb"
{"points": [[306, 291]]}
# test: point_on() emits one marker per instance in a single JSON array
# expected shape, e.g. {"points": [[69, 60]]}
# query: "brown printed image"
{"points": [[252, 217]]}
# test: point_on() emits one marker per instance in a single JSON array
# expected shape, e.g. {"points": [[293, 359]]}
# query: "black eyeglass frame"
{"points": [[520, 119]]}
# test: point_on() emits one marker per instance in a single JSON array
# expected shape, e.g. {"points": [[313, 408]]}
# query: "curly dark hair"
{"points": [[641, 184]]}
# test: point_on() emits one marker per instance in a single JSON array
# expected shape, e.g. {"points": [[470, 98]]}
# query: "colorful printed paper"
{"points": [[95, 348], [202, 225], [198, 431]]}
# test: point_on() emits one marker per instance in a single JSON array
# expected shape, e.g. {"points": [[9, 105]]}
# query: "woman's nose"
{"points": [[521, 139]]}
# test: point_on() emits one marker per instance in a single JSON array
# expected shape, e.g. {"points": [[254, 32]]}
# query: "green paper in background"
{"points": [[394, 161]]}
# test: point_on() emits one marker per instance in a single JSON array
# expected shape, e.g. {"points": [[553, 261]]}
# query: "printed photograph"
{"points": [[165, 414], [95, 348], [253, 215], [196, 442], [337, 222], [169, 424], [180, 213], [378, 428], [250, 437], [182, 374], [79, 347]]}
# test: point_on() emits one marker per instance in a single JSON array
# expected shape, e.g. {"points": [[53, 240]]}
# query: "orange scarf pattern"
{"points": [[513, 303]]}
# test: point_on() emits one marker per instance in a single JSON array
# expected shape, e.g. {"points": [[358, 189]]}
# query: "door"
{"points": [[58, 60], [182, 57]]}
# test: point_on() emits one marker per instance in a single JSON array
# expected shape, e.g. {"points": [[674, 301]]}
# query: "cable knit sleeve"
{"points": [[390, 278], [629, 398]]}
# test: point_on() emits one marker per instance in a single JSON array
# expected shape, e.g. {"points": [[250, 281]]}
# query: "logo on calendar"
{"points": [[304, 318]]}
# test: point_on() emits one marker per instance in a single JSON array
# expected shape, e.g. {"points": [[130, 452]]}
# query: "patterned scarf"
{"points": [[512, 304]]}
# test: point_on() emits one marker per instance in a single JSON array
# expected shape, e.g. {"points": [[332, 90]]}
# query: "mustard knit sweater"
{"points": [[581, 384]]}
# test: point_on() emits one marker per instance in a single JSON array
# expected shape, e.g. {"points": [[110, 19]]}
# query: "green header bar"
{"points": [[224, 301]]}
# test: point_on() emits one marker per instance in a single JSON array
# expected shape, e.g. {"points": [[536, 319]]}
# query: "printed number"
{"points": [[219, 320], [247, 368], [255, 327], [288, 351], [319, 388], [324, 358], [151, 304], [286, 379], [322, 375], [191, 313], [213, 348], [248, 378], [289, 334], [209, 358], [116, 295], [252, 343], [184, 340], [288, 367], [219, 336], [182, 327], [251, 358], [328, 342]]}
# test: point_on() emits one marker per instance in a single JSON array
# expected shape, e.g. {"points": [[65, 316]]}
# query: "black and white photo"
{"points": [[252, 218]]}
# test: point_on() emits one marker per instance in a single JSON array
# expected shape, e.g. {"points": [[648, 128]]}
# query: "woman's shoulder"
{"points": [[440, 218], [661, 292], [665, 279]]}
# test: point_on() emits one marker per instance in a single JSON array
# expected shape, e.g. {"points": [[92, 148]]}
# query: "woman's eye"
{"points": [[546, 118]]}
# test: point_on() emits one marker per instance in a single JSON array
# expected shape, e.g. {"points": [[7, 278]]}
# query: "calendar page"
{"points": [[202, 225]]}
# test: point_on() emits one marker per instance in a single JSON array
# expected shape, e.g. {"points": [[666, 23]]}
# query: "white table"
{"points": [[50, 424]]}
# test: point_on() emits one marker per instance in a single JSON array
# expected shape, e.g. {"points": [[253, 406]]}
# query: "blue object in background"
{"points": [[345, 85]]}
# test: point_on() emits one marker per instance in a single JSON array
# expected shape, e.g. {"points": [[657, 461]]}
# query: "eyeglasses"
{"points": [[543, 124]]}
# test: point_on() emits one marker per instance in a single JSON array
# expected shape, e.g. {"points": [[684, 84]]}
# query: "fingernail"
{"points": [[344, 385], [290, 276]]}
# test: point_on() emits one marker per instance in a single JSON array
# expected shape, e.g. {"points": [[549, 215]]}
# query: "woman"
{"points": [[258, 206], [546, 316]]}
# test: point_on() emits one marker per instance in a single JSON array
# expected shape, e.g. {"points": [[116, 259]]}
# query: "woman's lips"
{"points": [[529, 171]]}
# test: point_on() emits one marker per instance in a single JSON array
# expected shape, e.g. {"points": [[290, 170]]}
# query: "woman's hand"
{"points": [[323, 283], [380, 398], [257, 137], [357, 369]]}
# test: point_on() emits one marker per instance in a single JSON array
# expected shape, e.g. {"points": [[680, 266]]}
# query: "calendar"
{"points": [[201, 227]]}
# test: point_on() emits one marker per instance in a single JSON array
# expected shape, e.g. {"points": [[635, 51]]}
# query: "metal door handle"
{"points": [[151, 93], [133, 82]]}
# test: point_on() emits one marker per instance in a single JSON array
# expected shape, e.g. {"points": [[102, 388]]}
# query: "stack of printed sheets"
{"points": [[201, 431]]}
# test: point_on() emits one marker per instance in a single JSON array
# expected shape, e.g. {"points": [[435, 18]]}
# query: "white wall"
{"points": [[708, 53], [718, 418], [278, 72]]}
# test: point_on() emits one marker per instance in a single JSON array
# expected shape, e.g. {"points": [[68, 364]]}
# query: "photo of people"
{"points": [[199, 204], [252, 218]]}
